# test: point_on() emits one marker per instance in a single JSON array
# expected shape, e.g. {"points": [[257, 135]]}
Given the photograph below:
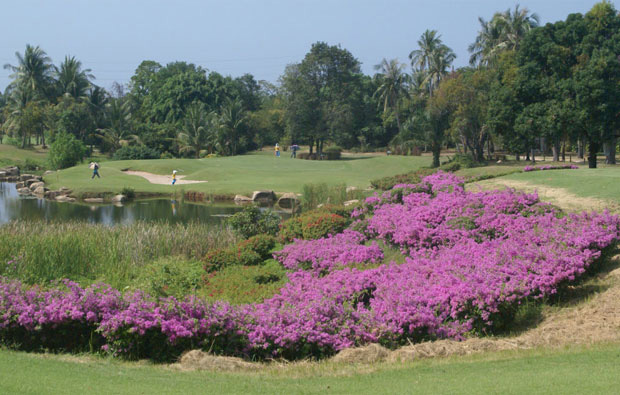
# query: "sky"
{"points": [[234, 37]]}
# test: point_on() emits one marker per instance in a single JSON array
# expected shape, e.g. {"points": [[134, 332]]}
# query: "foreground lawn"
{"points": [[238, 174], [577, 370]]}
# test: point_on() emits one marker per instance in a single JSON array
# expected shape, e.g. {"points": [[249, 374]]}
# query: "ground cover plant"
{"points": [[470, 259], [550, 167]]}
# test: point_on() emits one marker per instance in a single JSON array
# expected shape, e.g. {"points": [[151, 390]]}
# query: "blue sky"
{"points": [[234, 37]]}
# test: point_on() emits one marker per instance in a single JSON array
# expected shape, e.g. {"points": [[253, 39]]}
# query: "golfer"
{"points": [[95, 167], [174, 176]]}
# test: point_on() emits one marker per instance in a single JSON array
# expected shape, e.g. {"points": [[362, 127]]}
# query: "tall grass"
{"points": [[322, 193], [37, 252]]}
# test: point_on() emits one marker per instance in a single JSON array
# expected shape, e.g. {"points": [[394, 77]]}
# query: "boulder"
{"points": [[351, 202], [119, 199], [24, 191], [50, 195], [288, 201], [11, 171], [40, 191], [30, 181], [64, 198], [64, 191], [3, 174], [48, 172], [93, 200], [25, 177], [351, 189], [242, 199], [263, 196], [36, 185], [19, 185]]}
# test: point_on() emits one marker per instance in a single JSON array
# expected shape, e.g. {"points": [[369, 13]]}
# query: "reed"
{"points": [[37, 252]]}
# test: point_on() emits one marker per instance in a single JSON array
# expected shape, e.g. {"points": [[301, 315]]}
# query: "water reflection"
{"points": [[14, 207]]}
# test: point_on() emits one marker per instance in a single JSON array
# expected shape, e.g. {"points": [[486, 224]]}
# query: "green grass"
{"points": [[88, 253], [569, 371], [601, 183], [238, 174], [11, 155]]}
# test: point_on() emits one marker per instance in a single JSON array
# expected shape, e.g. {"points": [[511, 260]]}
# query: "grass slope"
{"points": [[576, 370], [11, 155], [238, 174]]}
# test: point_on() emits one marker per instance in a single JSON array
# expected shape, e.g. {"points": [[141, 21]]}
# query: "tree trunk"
{"points": [[593, 147], [436, 148], [610, 151], [517, 157], [580, 149], [555, 148], [527, 155], [563, 150], [533, 156]]}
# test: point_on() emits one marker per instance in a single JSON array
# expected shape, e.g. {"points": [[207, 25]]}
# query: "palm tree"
{"points": [[503, 32], [117, 115], [198, 130], [392, 87], [231, 120], [33, 73], [72, 80], [439, 63], [428, 43]]}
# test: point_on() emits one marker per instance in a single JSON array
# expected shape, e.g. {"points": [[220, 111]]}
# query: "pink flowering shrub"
{"points": [[549, 167], [471, 258]]}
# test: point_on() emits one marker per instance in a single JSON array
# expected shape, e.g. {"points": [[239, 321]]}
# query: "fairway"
{"points": [[237, 175], [574, 371]]}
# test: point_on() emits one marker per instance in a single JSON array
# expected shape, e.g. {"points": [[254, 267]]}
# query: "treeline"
{"points": [[529, 90]]}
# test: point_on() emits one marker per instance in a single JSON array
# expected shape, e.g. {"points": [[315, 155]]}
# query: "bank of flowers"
{"points": [[471, 258], [549, 167]]}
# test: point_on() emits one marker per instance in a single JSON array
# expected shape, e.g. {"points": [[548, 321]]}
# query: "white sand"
{"points": [[159, 179]]}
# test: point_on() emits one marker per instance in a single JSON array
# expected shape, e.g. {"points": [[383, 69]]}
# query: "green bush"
{"points": [[254, 221], [66, 151], [450, 166], [250, 252], [129, 192], [136, 152], [312, 225], [333, 153], [413, 177], [171, 276]]}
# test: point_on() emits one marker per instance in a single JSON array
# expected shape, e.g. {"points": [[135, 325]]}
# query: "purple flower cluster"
{"points": [[549, 167], [323, 255], [470, 258]]}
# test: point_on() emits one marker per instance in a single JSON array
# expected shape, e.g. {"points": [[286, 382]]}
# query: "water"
{"points": [[16, 207]]}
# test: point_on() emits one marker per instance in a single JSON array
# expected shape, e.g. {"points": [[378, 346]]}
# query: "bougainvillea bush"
{"points": [[549, 167], [471, 258]]}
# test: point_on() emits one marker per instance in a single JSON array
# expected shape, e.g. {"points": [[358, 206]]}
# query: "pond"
{"points": [[16, 207]]}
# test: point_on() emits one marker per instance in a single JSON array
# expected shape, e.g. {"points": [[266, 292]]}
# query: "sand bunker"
{"points": [[159, 179]]}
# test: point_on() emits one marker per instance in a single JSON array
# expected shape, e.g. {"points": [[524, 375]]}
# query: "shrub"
{"points": [[135, 152], [333, 153], [413, 177], [450, 166], [66, 151], [170, 276], [129, 192], [31, 165], [254, 221], [252, 251], [312, 225]]}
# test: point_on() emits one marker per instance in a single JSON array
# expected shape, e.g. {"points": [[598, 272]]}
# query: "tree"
{"points": [[232, 121], [199, 130], [72, 80], [392, 87], [33, 74], [503, 32], [66, 151], [117, 118], [431, 61]]}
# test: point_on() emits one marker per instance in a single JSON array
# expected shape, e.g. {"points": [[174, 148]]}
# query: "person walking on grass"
{"points": [[174, 177], [95, 167], [277, 148]]}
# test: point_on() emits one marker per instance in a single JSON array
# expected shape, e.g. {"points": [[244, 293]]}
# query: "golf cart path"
{"points": [[159, 179]]}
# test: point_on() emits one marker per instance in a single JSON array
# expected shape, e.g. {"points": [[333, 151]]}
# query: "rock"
{"points": [[3, 173], [64, 198], [119, 199], [50, 195], [351, 189], [24, 191], [351, 202], [242, 199], [25, 177], [19, 185], [288, 201], [93, 200], [64, 191], [30, 181], [263, 196], [40, 191], [36, 185], [11, 171], [48, 172]]}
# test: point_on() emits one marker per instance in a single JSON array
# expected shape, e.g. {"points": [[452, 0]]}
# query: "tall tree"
{"points": [[199, 130], [33, 74], [392, 87], [72, 80]]}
